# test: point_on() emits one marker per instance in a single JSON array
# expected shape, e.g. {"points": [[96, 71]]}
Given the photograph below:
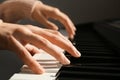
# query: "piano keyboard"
{"points": [[50, 64], [99, 60]]}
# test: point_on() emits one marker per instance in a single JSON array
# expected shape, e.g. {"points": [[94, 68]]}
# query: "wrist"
{"points": [[14, 10]]}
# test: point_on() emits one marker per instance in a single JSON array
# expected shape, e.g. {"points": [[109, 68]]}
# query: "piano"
{"points": [[99, 45]]}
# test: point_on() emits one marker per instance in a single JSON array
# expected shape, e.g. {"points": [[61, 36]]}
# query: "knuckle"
{"points": [[55, 10], [23, 30], [29, 26], [57, 33], [20, 29]]}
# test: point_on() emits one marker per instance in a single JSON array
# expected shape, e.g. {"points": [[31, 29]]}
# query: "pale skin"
{"points": [[43, 12], [26, 40]]}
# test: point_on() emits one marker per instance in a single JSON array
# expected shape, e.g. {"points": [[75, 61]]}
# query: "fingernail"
{"points": [[66, 61], [78, 54], [71, 37]]}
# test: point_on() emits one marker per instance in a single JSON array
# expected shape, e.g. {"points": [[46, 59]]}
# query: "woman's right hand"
{"points": [[26, 40]]}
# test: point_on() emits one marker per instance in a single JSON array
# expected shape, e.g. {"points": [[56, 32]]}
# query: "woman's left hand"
{"points": [[15, 10], [43, 12]]}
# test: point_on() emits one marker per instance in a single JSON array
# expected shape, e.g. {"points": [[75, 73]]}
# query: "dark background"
{"points": [[80, 11]]}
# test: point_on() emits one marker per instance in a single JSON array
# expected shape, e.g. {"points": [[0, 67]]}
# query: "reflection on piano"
{"points": [[99, 60]]}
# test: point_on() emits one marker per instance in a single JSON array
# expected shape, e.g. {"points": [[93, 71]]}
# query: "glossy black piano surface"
{"points": [[99, 60]]}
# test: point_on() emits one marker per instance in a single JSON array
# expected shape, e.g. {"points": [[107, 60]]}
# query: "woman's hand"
{"points": [[43, 12], [26, 40], [15, 10]]}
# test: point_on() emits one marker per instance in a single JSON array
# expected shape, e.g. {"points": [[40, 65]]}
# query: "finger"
{"points": [[65, 20], [25, 56], [55, 32], [59, 34], [32, 49], [56, 39], [44, 44], [67, 23], [62, 42], [50, 25], [39, 17]]}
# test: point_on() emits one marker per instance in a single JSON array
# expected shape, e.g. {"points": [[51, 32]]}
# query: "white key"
{"points": [[21, 76], [48, 69], [43, 56]]}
